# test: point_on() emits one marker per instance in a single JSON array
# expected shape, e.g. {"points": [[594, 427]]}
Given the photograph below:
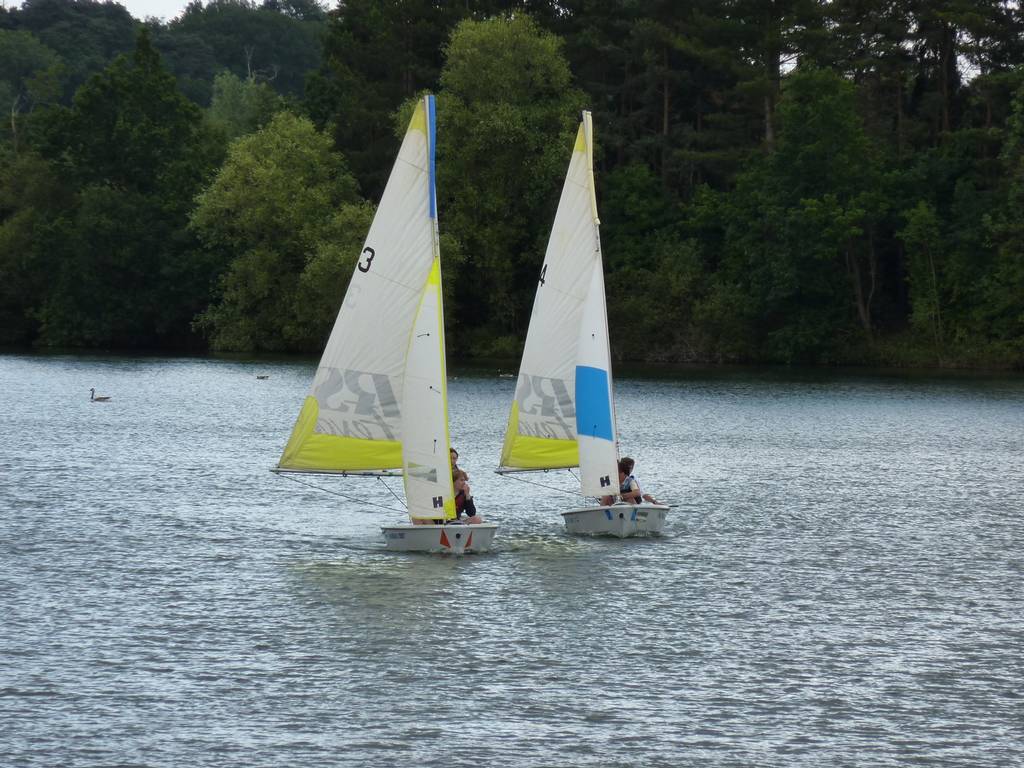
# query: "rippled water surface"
{"points": [[840, 583]]}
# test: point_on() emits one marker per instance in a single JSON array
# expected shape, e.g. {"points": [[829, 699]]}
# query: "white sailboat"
{"points": [[379, 399], [563, 412]]}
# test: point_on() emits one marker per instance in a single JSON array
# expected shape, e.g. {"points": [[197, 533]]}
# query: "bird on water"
{"points": [[97, 398]]}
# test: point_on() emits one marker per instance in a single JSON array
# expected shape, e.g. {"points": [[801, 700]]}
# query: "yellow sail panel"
{"points": [[418, 122], [312, 451], [526, 452], [581, 141]]}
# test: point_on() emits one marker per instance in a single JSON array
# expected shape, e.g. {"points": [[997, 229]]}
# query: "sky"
{"points": [[140, 9]]}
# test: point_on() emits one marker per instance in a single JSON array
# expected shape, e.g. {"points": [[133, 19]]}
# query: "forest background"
{"points": [[795, 181]]}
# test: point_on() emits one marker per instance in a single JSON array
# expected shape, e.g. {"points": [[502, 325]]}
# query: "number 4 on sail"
{"points": [[379, 400], [563, 414]]}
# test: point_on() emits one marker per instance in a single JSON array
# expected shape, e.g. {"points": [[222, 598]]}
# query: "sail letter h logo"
{"points": [[438, 502], [605, 481]]}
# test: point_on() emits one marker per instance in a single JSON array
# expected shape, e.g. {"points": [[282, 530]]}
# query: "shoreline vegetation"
{"points": [[811, 184], [508, 367]]}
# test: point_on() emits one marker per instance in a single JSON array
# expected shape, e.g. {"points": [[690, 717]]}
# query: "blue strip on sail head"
{"points": [[431, 124], [593, 403]]}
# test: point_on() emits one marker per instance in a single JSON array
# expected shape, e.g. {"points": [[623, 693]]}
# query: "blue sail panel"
{"points": [[593, 403]]}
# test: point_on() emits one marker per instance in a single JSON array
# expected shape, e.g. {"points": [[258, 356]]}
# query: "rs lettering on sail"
{"points": [[357, 404], [546, 407]]}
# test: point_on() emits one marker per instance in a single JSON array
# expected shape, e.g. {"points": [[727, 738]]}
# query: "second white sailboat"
{"points": [[563, 413]]}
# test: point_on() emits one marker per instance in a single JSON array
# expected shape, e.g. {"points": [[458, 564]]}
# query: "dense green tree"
{"points": [[377, 54], [131, 128], [780, 181], [999, 315], [242, 106], [125, 272], [29, 76], [305, 10], [263, 44], [871, 43], [951, 31], [86, 34], [32, 200], [190, 57], [655, 272], [798, 263], [284, 210], [771, 36], [923, 238], [663, 83], [507, 116]]}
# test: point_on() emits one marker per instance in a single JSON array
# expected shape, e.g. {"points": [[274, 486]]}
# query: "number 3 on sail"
{"points": [[369, 253]]}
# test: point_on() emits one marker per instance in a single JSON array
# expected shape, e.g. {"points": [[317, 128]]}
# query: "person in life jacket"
{"points": [[464, 504]]}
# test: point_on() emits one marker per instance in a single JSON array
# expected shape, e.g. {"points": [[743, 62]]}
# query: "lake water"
{"points": [[840, 582]]}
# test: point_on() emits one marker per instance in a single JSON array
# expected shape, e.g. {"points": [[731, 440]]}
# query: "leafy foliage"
{"points": [[86, 34], [29, 76], [506, 95], [284, 212], [120, 264], [253, 43], [793, 181], [241, 106], [377, 54]]}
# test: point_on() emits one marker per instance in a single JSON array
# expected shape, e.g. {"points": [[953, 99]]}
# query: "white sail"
{"points": [[566, 363], [352, 417], [595, 414], [426, 463]]}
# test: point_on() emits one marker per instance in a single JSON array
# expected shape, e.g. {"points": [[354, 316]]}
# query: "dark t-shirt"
{"points": [[462, 504]]}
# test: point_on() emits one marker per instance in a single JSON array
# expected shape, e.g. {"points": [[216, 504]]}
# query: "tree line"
{"points": [[797, 181]]}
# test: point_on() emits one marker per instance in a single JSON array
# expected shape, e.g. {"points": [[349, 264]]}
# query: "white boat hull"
{"points": [[448, 539], [621, 520]]}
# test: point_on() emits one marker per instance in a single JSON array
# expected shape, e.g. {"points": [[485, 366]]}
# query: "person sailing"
{"points": [[464, 503], [629, 489], [633, 484]]}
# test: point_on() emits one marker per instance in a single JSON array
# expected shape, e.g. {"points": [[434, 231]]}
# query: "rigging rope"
{"points": [[399, 500], [542, 485], [345, 496]]}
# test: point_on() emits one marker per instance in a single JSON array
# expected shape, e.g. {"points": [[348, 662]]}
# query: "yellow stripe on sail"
{"points": [[586, 134], [309, 450], [524, 452], [510, 434], [434, 281], [419, 118], [581, 141]]}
